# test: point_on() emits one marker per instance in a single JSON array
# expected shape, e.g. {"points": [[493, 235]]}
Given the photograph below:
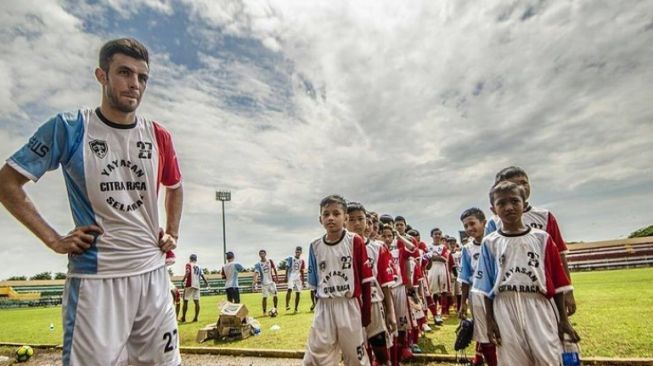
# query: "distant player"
{"points": [[339, 271], [174, 291], [116, 304], [267, 273], [473, 220], [519, 271], [537, 217], [191, 282], [230, 275], [422, 261], [382, 321], [295, 267], [439, 279], [456, 253]]}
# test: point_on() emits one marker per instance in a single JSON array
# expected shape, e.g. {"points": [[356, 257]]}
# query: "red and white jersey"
{"points": [[528, 262], [538, 218], [400, 263], [381, 264], [441, 250], [264, 270], [193, 274], [338, 269], [456, 256], [112, 173]]}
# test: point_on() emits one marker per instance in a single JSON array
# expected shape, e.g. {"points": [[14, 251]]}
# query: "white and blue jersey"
{"points": [[469, 262], [230, 272], [264, 270], [295, 268], [112, 174]]}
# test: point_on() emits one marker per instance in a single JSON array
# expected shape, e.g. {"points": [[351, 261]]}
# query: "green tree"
{"points": [[60, 276], [42, 276], [17, 278], [645, 231], [282, 265]]}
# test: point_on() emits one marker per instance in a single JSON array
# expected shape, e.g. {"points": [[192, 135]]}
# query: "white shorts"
{"points": [[295, 285], [400, 303], [336, 327], [439, 280], [120, 321], [269, 289], [477, 303], [191, 293], [529, 330], [377, 322]]}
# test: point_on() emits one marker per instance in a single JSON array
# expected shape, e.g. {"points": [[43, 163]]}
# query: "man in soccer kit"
{"points": [[339, 271], [266, 271], [192, 277], [438, 273], [519, 272], [230, 275], [295, 277], [174, 292], [113, 163], [473, 220], [536, 217], [382, 318], [456, 254]]}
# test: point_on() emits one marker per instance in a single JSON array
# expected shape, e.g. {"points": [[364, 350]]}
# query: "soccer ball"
{"points": [[273, 312], [24, 353]]}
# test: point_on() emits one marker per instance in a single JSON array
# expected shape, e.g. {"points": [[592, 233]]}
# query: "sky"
{"points": [[409, 108]]}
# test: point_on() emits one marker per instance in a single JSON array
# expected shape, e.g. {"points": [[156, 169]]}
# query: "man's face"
{"points": [[522, 181], [333, 217], [437, 236], [262, 254], [509, 206], [298, 253], [124, 83], [357, 222], [387, 236], [474, 227], [400, 226]]}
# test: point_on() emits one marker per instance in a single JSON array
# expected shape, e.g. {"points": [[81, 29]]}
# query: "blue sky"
{"points": [[410, 110]]}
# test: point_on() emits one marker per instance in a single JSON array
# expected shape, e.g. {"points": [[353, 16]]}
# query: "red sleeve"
{"points": [[168, 174], [188, 276], [272, 264], [553, 230], [365, 276], [556, 278], [385, 274]]}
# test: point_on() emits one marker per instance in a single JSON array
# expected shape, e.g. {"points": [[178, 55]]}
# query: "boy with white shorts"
{"points": [[339, 271], [295, 277], [267, 272]]}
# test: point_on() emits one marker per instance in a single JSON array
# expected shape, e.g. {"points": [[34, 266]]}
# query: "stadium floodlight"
{"points": [[223, 196]]}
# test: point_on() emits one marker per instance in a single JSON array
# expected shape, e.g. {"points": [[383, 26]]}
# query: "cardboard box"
{"points": [[208, 332], [233, 315], [240, 332]]}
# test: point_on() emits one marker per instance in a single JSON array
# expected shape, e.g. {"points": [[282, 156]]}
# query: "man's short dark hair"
{"points": [[474, 211], [126, 46], [299, 248], [435, 229], [504, 187], [509, 173], [413, 232], [262, 251], [334, 198], [386, 219], [355, 206], [400, 218], [230, 255]]}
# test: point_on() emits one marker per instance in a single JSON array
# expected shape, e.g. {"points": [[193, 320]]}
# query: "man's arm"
{"points": [[16, 201], [174, 201], [274, 271]]}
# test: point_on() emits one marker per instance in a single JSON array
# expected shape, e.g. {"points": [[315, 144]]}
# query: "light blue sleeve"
{"points": [[312, 268], [239, 268], [491, 226], [288, 265], [52, 144], [257, 268], [486, 274], [466, 274]]}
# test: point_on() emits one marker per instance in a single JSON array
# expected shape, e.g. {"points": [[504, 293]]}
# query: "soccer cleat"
{"points": [[426, 328], [415, 349], [287, 308], [438, 321]]}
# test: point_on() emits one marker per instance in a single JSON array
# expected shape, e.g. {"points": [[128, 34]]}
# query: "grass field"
{"points": [[614, 318]]}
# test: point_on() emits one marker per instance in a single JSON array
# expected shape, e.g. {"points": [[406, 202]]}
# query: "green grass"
{"points": [[614, 318]]}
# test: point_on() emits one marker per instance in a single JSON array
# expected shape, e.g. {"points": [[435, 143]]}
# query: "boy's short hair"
{"points": [[355, 206], [387, 227], [230, 255], [126, 46], [386, 219], [435, 229], [506, 186], [262, 251], [413, 232], [334, 198], [474, 211], [193, 258], [509, 173], [299, 248], [400, 218]]}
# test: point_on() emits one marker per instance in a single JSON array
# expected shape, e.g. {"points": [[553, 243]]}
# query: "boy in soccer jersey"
{"points": [[519, 271], [230, 275], [266, 271], [455, 268], [382, 322], [191, 281], [473, 220], [174, 292], [339, 271], [536, 217], [113, 163], [294, 277], [438, 273], [427, 298]]}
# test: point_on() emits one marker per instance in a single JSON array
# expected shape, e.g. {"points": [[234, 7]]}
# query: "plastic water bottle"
{"points": [[256, 329], [51, 327], [570, 353]]}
